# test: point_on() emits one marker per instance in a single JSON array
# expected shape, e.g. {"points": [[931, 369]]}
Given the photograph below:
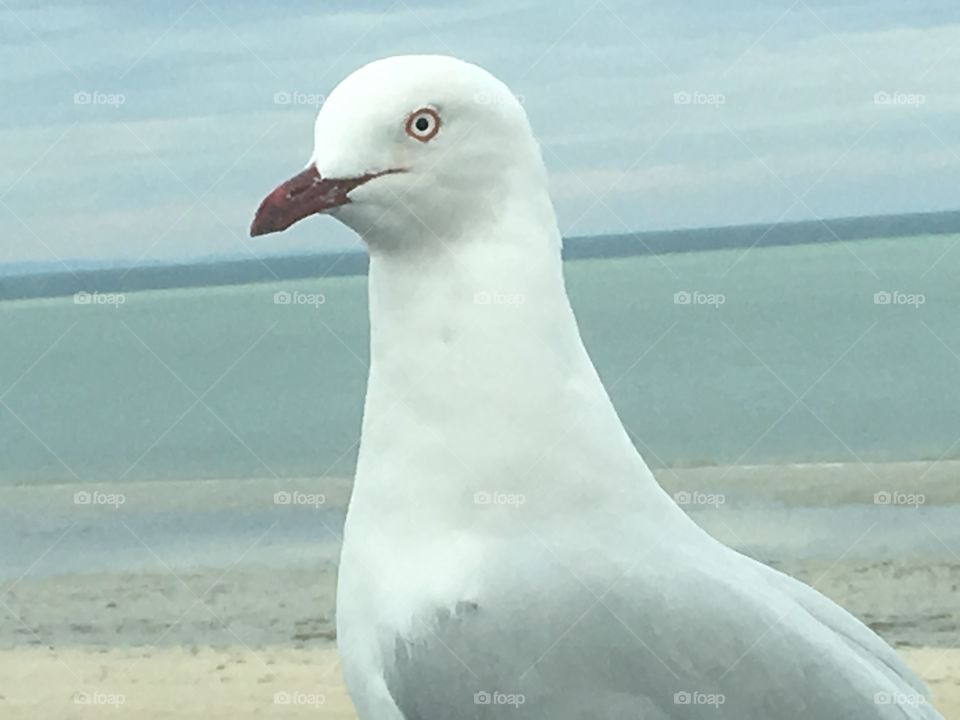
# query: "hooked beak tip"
{"points": [[270, 216], [306, 193]]}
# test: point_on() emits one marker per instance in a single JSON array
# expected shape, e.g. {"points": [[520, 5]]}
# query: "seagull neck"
{"points": [[438, 292], [479, 383], [451, 299]]}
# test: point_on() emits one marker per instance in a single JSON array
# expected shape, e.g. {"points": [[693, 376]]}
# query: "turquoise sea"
{"points": [[826, 352]]}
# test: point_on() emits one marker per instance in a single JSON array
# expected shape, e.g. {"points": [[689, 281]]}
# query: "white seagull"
{"points": [[507, 552]]}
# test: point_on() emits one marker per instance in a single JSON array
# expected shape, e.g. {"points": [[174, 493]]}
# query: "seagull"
{"points": [[507, 552]]}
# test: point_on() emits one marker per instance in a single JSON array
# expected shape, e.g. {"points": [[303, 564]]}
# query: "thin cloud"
{"points": [[770, 90]]}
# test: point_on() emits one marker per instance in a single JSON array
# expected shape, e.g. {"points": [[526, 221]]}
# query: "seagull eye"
{"points": [[423, 124]]}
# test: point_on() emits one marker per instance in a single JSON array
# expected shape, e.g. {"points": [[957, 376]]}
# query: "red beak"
{"points": [[303, 195]]}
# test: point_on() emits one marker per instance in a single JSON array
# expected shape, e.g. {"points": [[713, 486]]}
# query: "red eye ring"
{"points": [[423, 124]]}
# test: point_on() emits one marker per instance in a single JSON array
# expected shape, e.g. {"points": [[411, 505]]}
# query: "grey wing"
{"points": [[725, 640], [864, 641]]}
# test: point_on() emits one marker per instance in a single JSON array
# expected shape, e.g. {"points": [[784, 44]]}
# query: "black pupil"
{"points": [[422, 124]]}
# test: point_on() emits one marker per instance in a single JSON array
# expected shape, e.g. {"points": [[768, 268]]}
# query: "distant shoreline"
{"points": [[787, 483], [58, 280]]}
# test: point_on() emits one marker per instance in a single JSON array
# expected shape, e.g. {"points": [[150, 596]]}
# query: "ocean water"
{"points": [[828, 352]]}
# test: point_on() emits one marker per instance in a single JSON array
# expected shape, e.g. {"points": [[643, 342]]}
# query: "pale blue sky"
{"points": [[783, 121]]}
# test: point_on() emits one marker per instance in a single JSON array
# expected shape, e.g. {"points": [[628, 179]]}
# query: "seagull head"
{"points": [[411, 147]]}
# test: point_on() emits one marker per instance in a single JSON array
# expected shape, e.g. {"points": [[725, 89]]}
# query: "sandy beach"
{"points": [[260, 642], [211, 600], [237, 682]]}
